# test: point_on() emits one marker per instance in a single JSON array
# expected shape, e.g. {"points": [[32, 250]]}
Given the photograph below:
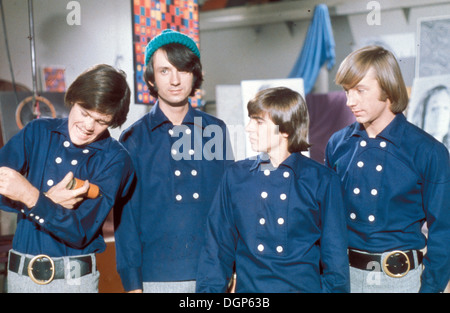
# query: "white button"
{"points": [[178, 197], [263, 194], [194, 173], [267, 172], [283, 196], [177, 173], [379, 168], [286, 174], [356, 191], [262, 221], [66, 144], [41, 220], [352, 216], [260, 248], [174, 152], [191, 152], [58, 160], [195, 195], [37, 217], [23, 211], [371, 218], [383, 144], [85, 151], [363, 143], [281, 221], [360, 164], [170, 132], [50, 182], [31, 214], [374, 192], [188, 131], [74, 162], [279, 249]]}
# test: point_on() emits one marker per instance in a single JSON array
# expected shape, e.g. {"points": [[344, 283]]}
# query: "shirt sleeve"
{"points": [[78, 227], [218, 255], [436, 201], [14, 155], [333, 242], [127, 236]]}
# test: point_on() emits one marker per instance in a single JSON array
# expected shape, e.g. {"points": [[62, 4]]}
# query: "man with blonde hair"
{"points": [[396, 179]]}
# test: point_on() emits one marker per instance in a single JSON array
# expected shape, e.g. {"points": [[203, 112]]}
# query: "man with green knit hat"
{"points": [[161, 228]]}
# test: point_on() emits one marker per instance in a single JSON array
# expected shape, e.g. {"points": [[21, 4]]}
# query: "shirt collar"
{"points": [[393, 132], [63, 129], [262, 163], [158, 118]]}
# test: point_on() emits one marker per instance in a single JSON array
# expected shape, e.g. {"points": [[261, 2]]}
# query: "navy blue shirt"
{"points": [[179, 169], [43, 152], [394, 184], [283, 228]]}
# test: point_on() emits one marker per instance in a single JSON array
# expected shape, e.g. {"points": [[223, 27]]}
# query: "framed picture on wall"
{"points": [[429, 106], [150, 18], [434, 46]]}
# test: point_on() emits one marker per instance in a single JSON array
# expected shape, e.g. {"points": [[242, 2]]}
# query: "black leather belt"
{"points": [[42, 269], [396, 264]]}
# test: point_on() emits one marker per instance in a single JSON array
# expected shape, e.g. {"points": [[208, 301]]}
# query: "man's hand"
{"points": [[59, 193], [16, 187]]}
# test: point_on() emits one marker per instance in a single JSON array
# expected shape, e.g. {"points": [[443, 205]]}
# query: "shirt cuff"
{"points": [[131, 278]]}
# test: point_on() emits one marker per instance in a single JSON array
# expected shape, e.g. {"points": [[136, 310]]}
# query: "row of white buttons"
{"points": [[264, 195], [261, 248], [280, 221], [371, 218], [40, 220], [363, 143], [58, 160], [178, 173], [357, 191], [379, 168], [194, 195], [285, 174], [175, 152], [187, 131]]}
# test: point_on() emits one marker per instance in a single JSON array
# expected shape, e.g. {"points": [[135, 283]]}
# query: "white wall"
{"points": [[103, 36], [269, 51]]}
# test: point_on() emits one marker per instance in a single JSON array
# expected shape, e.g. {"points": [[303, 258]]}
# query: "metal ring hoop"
{"points": [[28, 99]]}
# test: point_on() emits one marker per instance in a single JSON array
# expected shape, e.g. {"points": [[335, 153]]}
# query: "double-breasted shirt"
{"points": [[179, 168], [43, 152], [284, 228], [395, 183]]}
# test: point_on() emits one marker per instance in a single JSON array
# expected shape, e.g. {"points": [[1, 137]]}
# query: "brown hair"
{"points": [[388, 74], [287, 109], [103, 89]]}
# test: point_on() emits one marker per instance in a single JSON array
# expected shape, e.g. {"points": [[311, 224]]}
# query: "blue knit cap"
{"points": [[166, 37]]}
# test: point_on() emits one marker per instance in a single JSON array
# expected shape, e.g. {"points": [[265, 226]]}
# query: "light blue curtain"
{"points": [[318, 48]]}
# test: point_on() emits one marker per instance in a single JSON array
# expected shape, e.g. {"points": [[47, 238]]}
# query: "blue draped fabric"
{"points": [[317, 49]]}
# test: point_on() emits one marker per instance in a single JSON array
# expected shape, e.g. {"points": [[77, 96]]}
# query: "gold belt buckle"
{"points": [[385, 265], [30, 269]]}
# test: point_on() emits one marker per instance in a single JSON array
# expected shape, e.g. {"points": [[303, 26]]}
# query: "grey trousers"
{"points": [[170, 287], [17, 283], [373, 281]]}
